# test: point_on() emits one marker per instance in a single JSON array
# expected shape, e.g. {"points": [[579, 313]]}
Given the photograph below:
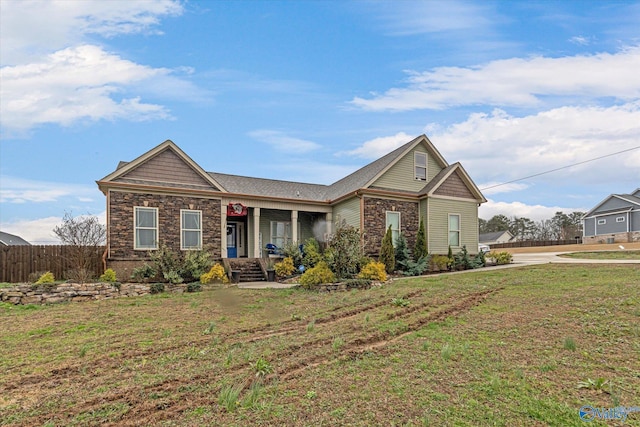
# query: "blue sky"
{"points": [[312, 90]]}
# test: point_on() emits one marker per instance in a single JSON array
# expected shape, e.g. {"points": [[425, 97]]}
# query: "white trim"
{"points": [[620, 219], [602, 221], [459, 230], [182, 230], [415, 165], [136, 228]]}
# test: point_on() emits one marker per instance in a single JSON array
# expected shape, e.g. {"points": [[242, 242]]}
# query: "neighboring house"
{"points": [[496, 237], [614, 220], [165, 198], [7, 239]]}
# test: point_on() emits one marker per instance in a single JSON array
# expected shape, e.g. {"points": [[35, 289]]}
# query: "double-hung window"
{"points": [[420, 164], [146, 228], [280, 233], [393, 220], [190, 229], [454, 230]]}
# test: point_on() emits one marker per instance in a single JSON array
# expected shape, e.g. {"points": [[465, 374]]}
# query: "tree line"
{"points": [[560, 227]]}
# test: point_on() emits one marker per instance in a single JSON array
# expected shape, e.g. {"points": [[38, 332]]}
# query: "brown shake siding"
{"points": [[375, 221], [121, 230]]}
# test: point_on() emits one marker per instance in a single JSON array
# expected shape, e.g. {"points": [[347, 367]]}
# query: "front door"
{"points": [[235, 240]]}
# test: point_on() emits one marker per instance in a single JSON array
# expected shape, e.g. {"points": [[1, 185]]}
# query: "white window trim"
{"points": [[136, 228], [287, 238], [459, 230], [182, 230], [386, 221], [415, 165], [620, 219], [602, 221]]}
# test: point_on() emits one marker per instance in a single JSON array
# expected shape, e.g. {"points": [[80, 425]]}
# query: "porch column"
{"points": [[223, 232], [329, 220], [294, 226], [257, 249]]}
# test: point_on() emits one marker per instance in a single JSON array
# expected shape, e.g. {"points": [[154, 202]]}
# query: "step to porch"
{"points": [[250, 270]]}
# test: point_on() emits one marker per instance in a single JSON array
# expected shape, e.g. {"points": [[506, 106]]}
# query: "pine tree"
{"points": [[420, 250], [387, 256], [401, 253]]}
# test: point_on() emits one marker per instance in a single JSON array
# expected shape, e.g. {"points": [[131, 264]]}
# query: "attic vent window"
{"points": [[420, 162]]}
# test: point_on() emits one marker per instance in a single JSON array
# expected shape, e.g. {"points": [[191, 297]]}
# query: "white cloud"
{"points": [[521, 210], [283, 142], [515, 82], [17, 190], [489, 188], [40, 231], [380, 146], [31, 28], [498, 147], [580, 40]]}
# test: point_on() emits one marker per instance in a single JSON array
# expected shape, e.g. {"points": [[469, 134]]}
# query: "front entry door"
{"points": [[235, 240]]}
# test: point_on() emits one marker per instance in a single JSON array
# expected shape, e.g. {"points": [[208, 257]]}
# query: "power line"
{"points": [[557, 169]]}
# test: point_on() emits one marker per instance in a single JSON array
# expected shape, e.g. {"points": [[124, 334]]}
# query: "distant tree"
{"points": [[387, 255], [523, 228], [84, 234], [498, 223], [420, 250], [482, 226]]}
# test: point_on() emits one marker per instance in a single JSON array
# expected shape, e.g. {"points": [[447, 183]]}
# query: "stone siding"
{"points": [[122, 256], [375, 221], [625, 237]]}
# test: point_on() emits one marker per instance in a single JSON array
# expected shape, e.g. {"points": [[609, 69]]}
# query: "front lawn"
{"points": [[604, 255]]}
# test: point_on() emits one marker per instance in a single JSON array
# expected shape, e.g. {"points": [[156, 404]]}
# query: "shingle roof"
{"points": [[12, 240], [270, 187]]}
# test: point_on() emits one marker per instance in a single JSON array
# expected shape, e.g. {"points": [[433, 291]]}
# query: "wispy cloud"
{"points": [[522, 210], [378, 147], [518, 82], [282, 142], [17, 190]]}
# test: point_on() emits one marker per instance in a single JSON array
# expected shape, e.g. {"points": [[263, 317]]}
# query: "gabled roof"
{"points": [[126, 167], [270, 187], [365, 176], [632, 199], [492, 237], [7, 239], [432, 187]]}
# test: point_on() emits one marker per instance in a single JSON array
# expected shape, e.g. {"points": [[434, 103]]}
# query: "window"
{"points": [[420, 162], [146, 228], [280, 233], [190, 229], [602, 221], [454, 230], [393, 220], [620, 219]]}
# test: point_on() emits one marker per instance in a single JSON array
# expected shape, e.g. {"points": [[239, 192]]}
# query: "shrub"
{"points": [[317, 275], [439, 262], [312, 254], [292, 250], [387, 255], [373, 271], [416, 268], [195, 264], [194, 287], [166, 263], [156, 288], [420, 250], [345, 251], [401, 253], [143, 273], [173, 276], [33, 277], [79, 275], [462, 260], [215, 275], [501, 258], [46, 278], [285, 267], [108, 276]]}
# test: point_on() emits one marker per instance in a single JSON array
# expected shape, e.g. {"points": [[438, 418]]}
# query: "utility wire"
{"points": [[557, 169]]}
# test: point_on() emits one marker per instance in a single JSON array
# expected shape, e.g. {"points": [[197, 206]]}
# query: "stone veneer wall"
{"points": [[375, 220], [625, 237], [123, 258]]}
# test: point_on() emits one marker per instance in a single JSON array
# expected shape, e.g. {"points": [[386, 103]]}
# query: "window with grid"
{"points": [[190, 230], [420, 163], [454, 230], [146, 228], [280, 233]]}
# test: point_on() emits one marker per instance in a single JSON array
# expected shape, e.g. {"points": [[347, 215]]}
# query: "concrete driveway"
{"points": [[553, 257]]}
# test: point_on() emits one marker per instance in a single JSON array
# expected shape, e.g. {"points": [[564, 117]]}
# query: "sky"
{"points": [[311, 91]]}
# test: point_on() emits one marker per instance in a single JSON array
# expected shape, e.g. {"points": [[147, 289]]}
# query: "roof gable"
{"points": [[453, 181], [7, 239], [165, 165], [615, 202]]}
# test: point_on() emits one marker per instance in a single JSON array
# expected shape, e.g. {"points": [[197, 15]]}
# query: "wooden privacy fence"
{"points": [[530, 243], [18, 262]]}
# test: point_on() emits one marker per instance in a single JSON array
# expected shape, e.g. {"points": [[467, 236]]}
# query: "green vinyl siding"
{"points": [[438, 224], [349, 210], [401, 176]]}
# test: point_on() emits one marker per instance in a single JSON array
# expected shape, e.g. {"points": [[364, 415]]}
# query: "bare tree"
{"points": [[84, 234]]}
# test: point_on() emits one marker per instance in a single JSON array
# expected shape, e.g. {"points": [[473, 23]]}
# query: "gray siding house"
{"points": [[614, 220], [164, 197]]}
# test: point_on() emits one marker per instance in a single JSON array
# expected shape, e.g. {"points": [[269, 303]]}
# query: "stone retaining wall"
{"points": [[76, 292]]}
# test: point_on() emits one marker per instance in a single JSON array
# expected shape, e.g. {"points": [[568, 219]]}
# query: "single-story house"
{"points": [[7, 239], [616, 219], [494, 238], [164, 197]]}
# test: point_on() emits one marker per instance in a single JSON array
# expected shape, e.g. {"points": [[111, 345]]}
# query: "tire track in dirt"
{"points": [[382, 339]]}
